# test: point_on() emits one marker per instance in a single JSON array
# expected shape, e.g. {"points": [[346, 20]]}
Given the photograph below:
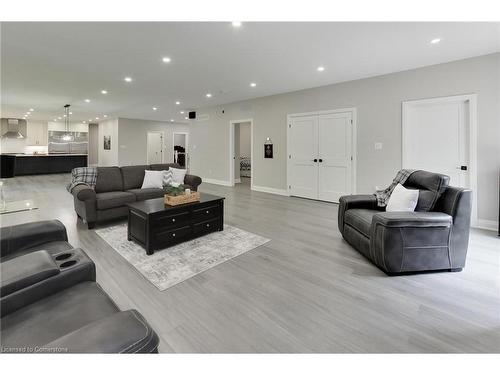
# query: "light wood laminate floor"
{"points": [[306, 290]]}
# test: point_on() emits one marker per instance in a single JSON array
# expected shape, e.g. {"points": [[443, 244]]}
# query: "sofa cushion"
{"points": [[163, 167], [360, 219], [133, 176], [430, 185], [108, 179], [113, 199], [148, 193]]}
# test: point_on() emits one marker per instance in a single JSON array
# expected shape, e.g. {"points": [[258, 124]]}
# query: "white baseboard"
{"points": [[265, 189], [216, 182], [237, 180], [486, 224]]}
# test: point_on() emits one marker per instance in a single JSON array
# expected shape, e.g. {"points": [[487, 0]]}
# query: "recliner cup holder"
{"points": [[64, 256], [68, 263]]}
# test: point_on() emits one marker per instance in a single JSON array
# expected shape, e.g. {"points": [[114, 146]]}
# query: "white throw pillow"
{"points": [[402, 199], [152, 179], [177, 175]]}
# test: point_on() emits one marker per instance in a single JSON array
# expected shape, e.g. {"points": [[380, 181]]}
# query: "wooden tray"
{"points": [[182, 199]]}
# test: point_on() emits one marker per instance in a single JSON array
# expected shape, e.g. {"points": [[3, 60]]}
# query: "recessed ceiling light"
{"points": [[71, 113], [154, 108], [104, 92], [105, 116], [208, 95], [182, 112], [171, 120], [186, 118], [90, 119], [253, 84], [64, 115], [177, 103], [87, 100], [321, 68], [97, 118], [59, 118], [31, 109], [128, 79], [236, 23], [55, 119], [166, 59], [84, 121], [435, 41]]}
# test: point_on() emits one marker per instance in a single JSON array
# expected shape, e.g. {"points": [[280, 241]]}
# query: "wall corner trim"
{"points": [[215, 182]]}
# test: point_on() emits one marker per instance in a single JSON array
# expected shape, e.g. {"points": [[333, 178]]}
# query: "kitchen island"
{"points": [[30, 164]]}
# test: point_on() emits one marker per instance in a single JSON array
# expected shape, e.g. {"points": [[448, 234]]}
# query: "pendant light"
{"points": [[67, 136]]}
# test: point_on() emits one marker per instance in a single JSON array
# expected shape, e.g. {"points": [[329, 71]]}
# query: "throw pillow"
{"points": [[178, 175], [402, 199], [167, 178], [152, 179]]}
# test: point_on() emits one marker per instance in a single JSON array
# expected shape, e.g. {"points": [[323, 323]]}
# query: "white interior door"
{"points": [[303, 141], [436, 138], [155, 148], [334, 156]]}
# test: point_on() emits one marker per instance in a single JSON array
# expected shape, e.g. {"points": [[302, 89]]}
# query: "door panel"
{"points": [[155, 144], [304, 146], [436, 139], [335, 166]]}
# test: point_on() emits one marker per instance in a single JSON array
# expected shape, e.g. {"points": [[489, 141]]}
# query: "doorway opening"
{"points": [[180, 149], [155, 147], [241, 152]]}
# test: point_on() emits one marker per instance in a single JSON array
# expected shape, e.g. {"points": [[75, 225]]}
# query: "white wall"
{"points": [[133, 139], [378, 101], [107, 158]]}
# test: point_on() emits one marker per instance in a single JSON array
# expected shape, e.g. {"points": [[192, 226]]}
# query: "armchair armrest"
{"points": [[23, 236], [412, 219], [347, 202], [123, 332], [193, 181], [83, 193]]}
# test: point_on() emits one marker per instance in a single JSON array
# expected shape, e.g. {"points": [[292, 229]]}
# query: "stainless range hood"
{"points": [[13, 129]]}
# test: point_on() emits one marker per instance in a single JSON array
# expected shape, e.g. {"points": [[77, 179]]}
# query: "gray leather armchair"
{"points": [[434, 237]]}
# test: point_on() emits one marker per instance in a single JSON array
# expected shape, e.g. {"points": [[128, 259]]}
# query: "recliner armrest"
{"points": [[193, 181], [83, 193], [347, 202], [123, 332], [412, 219], [23, 236]]}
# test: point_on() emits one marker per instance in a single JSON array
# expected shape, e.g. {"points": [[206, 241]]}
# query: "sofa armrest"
{"points": [[412, 219], [347, 202], [123, 332], [83, 193], [411, 241], [192, 181], [23, 236]]}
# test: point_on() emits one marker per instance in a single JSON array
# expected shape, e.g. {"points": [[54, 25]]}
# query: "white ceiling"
{"points": [[46, 65]]}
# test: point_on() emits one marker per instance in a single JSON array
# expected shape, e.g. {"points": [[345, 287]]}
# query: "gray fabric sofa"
{"points": [[434, 237], [50, 302], [117, 186]]}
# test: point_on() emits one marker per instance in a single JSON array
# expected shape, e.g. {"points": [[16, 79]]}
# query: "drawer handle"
{"points": [[173, 234], [173, 220], [207, 211], [208, 225]]}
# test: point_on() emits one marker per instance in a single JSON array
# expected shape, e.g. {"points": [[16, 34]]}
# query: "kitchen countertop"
{"points": [[43, 155]]}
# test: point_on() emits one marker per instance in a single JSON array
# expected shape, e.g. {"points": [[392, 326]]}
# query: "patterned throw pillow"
{"points": [[167, 178]]}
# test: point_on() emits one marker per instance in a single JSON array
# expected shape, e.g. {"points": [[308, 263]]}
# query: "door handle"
{"points": [[315, 160]]}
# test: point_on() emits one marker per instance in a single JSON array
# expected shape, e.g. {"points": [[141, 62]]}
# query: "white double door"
{"points": [[320, 156]]}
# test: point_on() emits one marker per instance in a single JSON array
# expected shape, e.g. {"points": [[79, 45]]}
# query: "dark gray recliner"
{"points": [[50, 302], [434, 237], [117, 186]]}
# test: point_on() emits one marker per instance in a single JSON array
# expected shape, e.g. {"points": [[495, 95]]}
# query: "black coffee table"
{"points": [[154, 225]]}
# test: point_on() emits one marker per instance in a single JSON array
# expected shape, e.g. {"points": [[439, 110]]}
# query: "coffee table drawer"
{"points": [[207, 226], [206, 213], [173, 234], [171, 220]]}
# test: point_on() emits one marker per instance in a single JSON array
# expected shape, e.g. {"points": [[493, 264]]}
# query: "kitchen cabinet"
{"points": [[37, 133]]}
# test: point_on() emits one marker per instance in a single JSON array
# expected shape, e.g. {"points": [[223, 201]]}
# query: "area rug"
{"points": [[168, 267]]}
